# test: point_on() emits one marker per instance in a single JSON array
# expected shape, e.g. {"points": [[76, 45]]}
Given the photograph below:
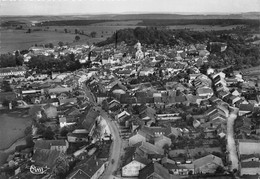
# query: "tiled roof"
{"points": [[46, 144], [245, 156], [251, 164], [89, 119], [86, 168], [46, 157], [154, 168]]}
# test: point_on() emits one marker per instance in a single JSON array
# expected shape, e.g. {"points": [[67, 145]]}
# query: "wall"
{"points": [[132, 169]]}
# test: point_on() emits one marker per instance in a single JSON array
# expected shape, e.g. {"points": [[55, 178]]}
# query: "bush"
{"points": [[28, 130]]}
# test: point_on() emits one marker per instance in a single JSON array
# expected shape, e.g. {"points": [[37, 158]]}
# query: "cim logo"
{"points": [[38, 170]]}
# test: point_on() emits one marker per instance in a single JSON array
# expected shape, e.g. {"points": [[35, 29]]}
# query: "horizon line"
{"points": [[134, 13]]}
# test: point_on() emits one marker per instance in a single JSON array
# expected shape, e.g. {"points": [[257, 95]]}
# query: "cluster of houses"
{"points": [[59, 105], [177, 116]]}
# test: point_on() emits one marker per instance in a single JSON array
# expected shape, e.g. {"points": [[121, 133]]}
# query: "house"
{"points": [[161, 141], [204, 92], [147, 113], [245, 109], [77, 137], [250, 164], [65, 121], [207, 164], [50, 111], [59, 89], [68, 100], [243, 125], [168, 117], [89, 120], [53, 101], [147, 148], [154, 131], [122, 115], [114, 105], [58, 145], [154, 170], [12, 71], [132, 169], [48, 158], [178, 169], [90, 168], [221, 130], [250, 168], [139, 136], [233, 99], [133, 163], [246, 146]]}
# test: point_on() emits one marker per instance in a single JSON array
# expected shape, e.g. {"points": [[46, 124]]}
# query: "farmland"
{"points": [[12, 39], [51, 29]]}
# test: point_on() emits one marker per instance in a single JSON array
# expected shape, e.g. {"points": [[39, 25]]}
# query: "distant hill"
{"points": [[27, 19]]}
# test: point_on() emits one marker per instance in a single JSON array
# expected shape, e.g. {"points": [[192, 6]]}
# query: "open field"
{"points": [[204, 27], [19, 40], [12, 128], [11, 40]]}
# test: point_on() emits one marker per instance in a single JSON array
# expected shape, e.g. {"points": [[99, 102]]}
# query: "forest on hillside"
{"points": [[239, 53]]}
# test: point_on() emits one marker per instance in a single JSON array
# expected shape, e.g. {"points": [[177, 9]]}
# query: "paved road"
{"points": [[231, 146], [115, 150], [117, 142]]}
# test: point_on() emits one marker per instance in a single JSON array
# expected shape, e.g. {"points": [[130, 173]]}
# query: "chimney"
{"points": [[116, 40]]}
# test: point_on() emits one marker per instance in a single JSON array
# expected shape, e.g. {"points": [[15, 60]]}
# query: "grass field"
{"points": [[19, 40], [11, 40], [12, 128]]}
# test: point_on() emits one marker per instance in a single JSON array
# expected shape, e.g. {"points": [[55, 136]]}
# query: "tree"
{"points": [[29, 141], [7, 60], [219, 170], [19, 60], [93, 34], [28, 130], [14, 104], [29, 31], [64, 131], [77, 38], [48, 134], [6, 86], [61, 167], [60, 44], [105, 106], [65, 30], [76, 31], [5, 103]]}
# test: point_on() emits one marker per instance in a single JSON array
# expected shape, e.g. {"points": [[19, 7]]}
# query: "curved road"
{"points": [[117, 142], [231, 146], [115, 150]]}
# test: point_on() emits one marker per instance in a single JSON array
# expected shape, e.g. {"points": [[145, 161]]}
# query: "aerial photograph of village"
{"points": [[130, 89]]}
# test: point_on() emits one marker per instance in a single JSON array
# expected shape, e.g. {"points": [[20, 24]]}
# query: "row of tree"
{"points": [[10, 60], [47, 64]]}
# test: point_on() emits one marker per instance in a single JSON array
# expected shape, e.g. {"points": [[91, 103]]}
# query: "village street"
{"points": [[117, 142], [115, 149], [231, 146]]}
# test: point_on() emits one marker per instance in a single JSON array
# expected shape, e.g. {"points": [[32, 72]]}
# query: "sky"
{"points": [[60, 7]]}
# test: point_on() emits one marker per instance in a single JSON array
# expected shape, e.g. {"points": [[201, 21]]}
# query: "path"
{"points": [[231, 146]]}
